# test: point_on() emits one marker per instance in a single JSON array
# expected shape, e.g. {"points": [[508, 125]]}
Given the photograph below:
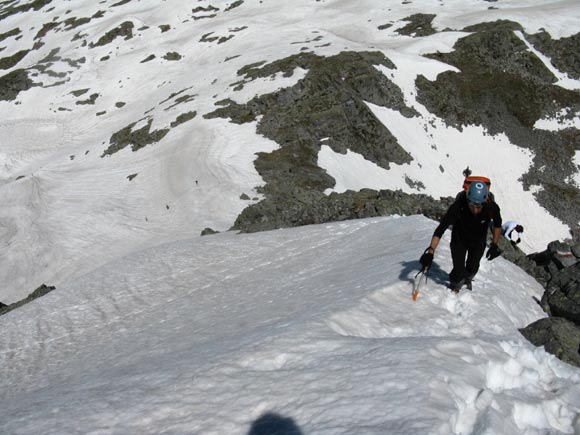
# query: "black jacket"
{"points": [[469, 229]]}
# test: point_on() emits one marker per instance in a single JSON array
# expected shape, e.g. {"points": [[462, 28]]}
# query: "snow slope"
{"points": [[66, 209], [315, 325]]}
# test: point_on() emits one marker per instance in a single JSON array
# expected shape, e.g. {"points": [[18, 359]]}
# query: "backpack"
{"points": [[471, 178]]}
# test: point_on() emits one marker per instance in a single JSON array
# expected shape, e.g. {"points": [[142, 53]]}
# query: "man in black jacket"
{"points": [[470, 215]]}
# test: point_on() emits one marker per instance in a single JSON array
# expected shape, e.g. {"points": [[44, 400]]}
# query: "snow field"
{"points": [[88, 202], [316, 324], [152, 331]]}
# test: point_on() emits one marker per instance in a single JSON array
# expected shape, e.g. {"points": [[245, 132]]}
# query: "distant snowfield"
{"points": [[314, 324], [74, 210]]}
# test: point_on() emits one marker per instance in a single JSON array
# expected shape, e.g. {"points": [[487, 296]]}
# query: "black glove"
{"points": [[426, 259], [492, 252]]}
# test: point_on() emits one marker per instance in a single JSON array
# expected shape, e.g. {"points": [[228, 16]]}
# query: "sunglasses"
{"points": [[475, 205]]}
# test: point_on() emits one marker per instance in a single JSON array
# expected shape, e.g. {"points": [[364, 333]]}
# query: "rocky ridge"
{"points": [[502, 86]]}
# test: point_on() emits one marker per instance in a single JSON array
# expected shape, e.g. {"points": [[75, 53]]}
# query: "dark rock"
{"points": [[13, 32], [184, 117], [234, 5], [208, 231], [72, 23], [124, 30], [560, 337], [137, 139], [561, 300], [563, 52], [45, 29], [512, 253], [576, 250], [11, 61], [305, 207], [89, 101], [172, 56], [563, 293], [13, 10], [79, 92], [549, 266], [13, 83], [561, 254], [39, 292], [205, 9], [122, 2], [148, 58], [419, 25]]}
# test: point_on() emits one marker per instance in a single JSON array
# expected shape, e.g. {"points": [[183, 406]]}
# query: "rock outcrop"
{"points": [[39, 292], [558, 270]]}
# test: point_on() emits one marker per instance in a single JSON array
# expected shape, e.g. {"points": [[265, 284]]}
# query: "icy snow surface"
{"points": [[67, 210], [314, 324]]}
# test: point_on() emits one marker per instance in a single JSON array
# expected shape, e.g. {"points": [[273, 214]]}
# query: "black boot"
{"points": [[456, 286], [468, 281]]}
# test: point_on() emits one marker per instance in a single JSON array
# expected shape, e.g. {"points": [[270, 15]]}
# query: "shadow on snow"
{"points": [[274, 424]]}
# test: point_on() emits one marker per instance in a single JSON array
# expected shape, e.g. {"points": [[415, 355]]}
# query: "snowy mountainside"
{"points": [[315, 324], [113, 139]]}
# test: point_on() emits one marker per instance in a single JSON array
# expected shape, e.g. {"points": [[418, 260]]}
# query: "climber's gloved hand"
{"points": [[427, 258], [492, 252]]}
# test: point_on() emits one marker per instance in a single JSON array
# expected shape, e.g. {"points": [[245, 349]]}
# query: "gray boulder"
{"points": [[208, 231], [558, 270], [559, 336], [563, 294], [547, 265], [561, 254]]}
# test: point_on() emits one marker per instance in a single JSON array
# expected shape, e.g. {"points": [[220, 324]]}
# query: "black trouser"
{"points": [[465, 269]]}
